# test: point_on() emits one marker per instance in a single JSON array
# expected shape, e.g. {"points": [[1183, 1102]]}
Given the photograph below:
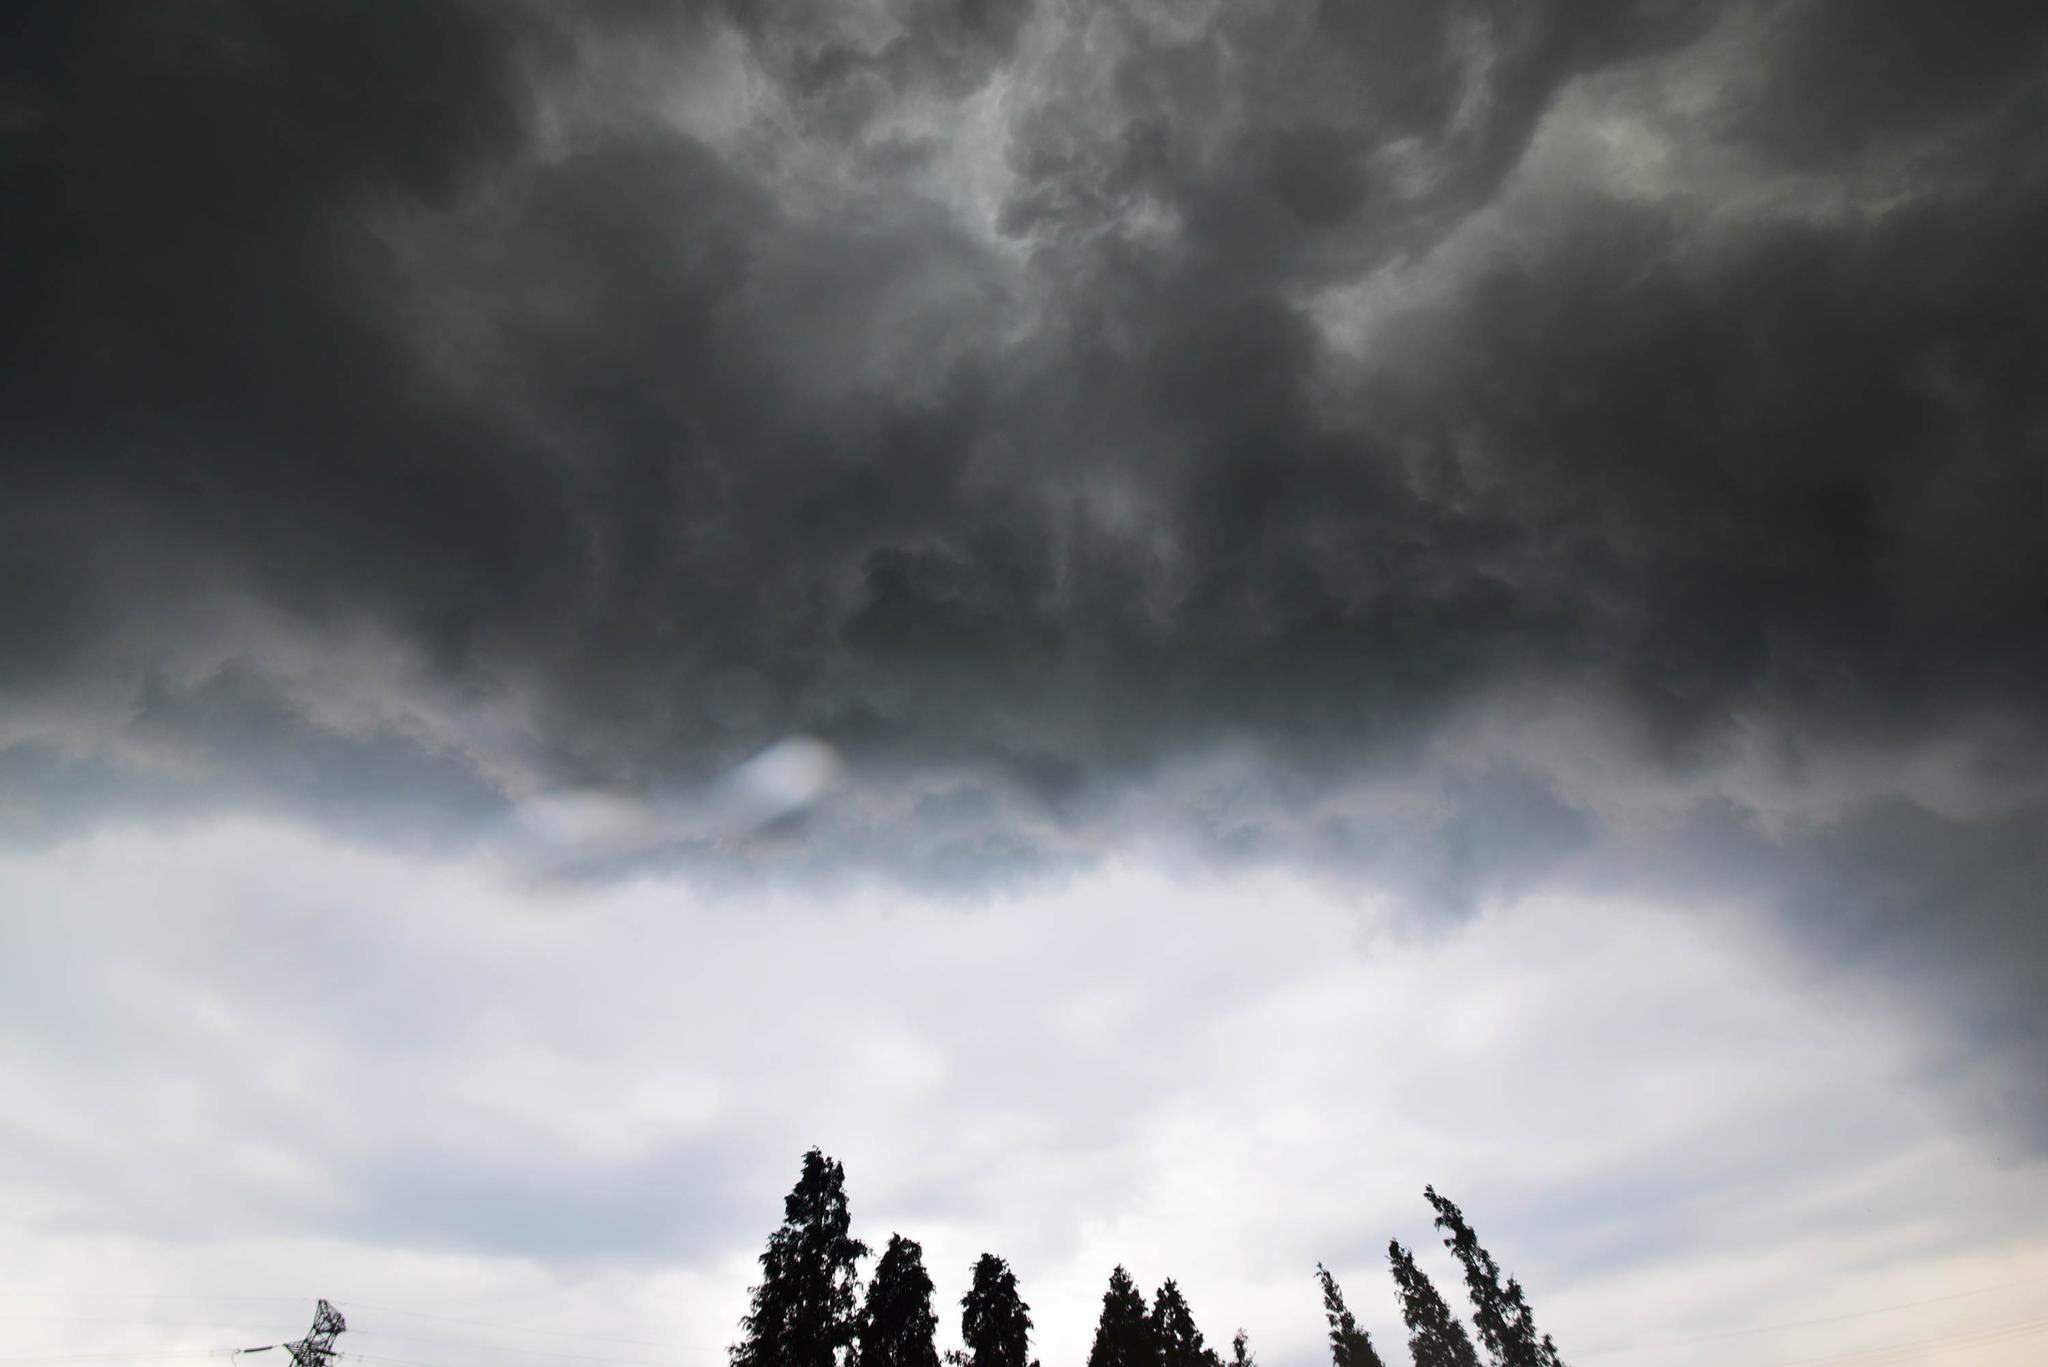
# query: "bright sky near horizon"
{"points": [[247, 1060]]}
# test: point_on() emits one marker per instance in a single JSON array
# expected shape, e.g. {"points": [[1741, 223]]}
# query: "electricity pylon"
{"points": [[316, 1349]]}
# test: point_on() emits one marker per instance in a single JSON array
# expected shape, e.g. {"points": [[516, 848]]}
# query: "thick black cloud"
{"points": [[956, 387]]}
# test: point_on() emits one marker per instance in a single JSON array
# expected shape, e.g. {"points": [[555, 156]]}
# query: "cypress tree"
{"points": [[1507, 1329], [1240, 1352], [1123, 1334], [1435, 1336], [995, 1322], [1350, 1346], [1178, 1341], [802, 1312], [897, 1323]]}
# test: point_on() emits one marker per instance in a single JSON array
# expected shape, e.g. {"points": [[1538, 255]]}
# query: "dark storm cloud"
{"points": [[231, 743], [957, 383]]}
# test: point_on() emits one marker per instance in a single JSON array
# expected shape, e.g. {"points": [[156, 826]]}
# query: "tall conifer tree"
{"points": [[1123, 1334], [1350, 1346], [1178, 1341], [897, 1322], [995, 1323], [1240, 1351], [1435, 1336], [1507, 1329], [802, 1312]]}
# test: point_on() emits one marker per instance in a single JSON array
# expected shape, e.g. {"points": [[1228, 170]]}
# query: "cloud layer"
{"points": [[1156, 621], [1480, 447], [253, 1062]]}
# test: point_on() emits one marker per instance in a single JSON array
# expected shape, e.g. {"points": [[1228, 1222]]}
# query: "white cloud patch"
{"points": [[252, 1061]]}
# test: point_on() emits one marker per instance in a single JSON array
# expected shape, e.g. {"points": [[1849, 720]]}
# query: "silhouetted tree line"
{"points": [[804, 1312]]}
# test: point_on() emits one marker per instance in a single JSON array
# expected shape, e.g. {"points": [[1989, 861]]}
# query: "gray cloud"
{"points": [[1148, 423]]}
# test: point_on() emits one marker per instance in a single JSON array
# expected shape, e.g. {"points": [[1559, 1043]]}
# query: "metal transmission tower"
{"points": [[316, 1349]]}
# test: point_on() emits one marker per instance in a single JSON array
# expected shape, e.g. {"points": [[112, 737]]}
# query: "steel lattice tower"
{"points": [[317, 1347]]}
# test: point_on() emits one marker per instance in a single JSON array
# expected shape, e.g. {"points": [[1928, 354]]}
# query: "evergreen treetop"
{"points": [[1350, 1346], [994, 1320], [802, 1313], [1123, 1334], [1177, 1340], [897, 1323], [1507, 1329], [1435, 1336]]}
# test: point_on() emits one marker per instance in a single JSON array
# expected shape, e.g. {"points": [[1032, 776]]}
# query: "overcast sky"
{"points": [[1155, 622]]}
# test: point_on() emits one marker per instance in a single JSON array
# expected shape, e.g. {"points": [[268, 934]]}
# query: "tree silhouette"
{"points": [[1507, 1329], [897, 1323], [1435, 1336], [1177, 1341], [802, 1312], [1350, 1346], [1123, 1335], [994, 1320]]}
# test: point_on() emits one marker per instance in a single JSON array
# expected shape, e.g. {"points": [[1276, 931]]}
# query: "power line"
{"points": [[1876, 1354], [499, 1324], [152, 1296], [353, 1306], [350, 1305], [317, 1349], [505, 1348], [1807, 1323], [117, 1357], [1861, 1314], [161, 1324]]}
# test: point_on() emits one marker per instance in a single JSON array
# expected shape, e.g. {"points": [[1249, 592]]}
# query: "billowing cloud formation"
{"points": [[1481, 443]]}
